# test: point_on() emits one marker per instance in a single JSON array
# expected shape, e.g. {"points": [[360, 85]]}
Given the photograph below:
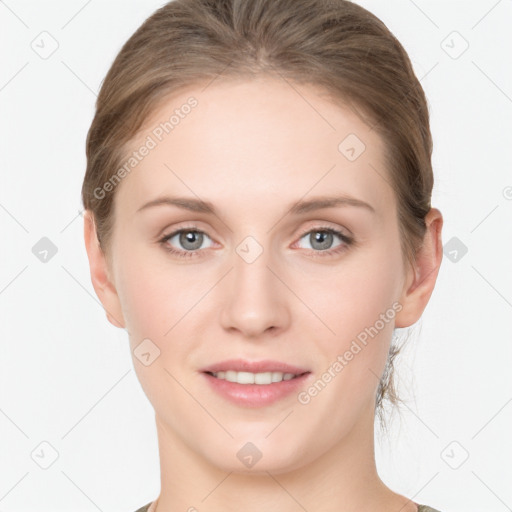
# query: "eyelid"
{"points": [[179, 229], [172, 229], [324, 224]]}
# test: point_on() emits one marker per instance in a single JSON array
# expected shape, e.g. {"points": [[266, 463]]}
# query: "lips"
{"points": [[240, 365], [233, 380], [256, 395]]}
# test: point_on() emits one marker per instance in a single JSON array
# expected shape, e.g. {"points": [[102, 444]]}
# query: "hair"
{"points": [[336, 46]]}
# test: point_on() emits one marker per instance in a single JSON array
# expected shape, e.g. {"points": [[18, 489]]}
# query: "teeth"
{"points": [[253, 378]]}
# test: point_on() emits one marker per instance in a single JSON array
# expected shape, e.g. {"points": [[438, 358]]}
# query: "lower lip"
{"points": [[255, 395]]}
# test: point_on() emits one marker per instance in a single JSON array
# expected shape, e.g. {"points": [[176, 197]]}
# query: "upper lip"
{"points": [[241, 365]]}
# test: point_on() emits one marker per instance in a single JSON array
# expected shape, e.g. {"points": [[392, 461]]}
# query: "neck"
{"points": [[342, 479]]}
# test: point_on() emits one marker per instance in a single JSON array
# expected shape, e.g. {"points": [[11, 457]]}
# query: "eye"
{"points": [[190, 239], [321, 239]]}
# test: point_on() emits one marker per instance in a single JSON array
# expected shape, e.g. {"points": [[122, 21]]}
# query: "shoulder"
{"points": [[421, 508], [145, 508]]}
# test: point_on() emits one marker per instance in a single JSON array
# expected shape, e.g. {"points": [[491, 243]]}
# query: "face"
{"points": [[262, 274]]}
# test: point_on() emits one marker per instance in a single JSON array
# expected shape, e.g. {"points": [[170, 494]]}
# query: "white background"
{"points": [[66, 376]]}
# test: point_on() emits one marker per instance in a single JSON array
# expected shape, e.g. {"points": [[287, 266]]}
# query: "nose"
{"points": [[255, 299]]}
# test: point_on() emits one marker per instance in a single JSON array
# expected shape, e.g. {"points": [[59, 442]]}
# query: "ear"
{"points": [[100, 274], [421, 279]]}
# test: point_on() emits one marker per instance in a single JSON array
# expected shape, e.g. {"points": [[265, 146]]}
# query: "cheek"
{"points": [[358, 306], [354, 297], [156, 294], [158, 305], [167, 304], [140, 294]]}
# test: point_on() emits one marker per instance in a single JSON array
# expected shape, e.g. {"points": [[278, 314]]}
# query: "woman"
{"points": [[258, 219]]}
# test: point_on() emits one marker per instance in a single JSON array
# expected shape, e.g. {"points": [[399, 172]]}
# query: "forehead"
{"points": [[255, 142]]}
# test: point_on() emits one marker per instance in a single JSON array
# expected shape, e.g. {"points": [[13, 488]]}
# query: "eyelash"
{"points": [[347, 242]]}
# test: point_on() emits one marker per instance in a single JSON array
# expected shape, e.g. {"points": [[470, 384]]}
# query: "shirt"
{"points": [[150, 507]]}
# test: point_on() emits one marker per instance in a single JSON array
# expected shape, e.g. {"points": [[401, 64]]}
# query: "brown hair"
{"points": [[336, 45]]}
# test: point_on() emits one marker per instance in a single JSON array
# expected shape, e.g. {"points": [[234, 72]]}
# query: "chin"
{"points": [[257, 456]]}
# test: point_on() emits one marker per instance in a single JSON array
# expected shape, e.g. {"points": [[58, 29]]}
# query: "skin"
{"points": [[253, 148]]}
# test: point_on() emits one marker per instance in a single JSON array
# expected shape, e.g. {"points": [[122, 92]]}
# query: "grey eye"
{"points": [[188, 239], [321, 239], [191, 240]]}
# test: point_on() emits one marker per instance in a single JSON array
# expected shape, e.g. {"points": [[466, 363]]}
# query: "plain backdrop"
{"points": [[76, 430]]}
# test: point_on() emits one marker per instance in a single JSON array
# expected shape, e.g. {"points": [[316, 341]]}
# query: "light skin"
{"points": [[253, 148]]}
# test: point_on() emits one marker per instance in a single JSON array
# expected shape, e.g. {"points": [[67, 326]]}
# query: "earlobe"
{"points": [[101, 281], [421, 279]]}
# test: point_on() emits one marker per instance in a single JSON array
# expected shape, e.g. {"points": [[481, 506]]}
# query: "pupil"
{"points": [[188, 237], [325, 239]]}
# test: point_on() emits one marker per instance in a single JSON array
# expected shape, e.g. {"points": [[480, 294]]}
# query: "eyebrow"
{"points": [[317, 203]]}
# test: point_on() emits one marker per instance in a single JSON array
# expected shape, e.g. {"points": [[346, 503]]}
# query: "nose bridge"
{"points": [[256, 301]]}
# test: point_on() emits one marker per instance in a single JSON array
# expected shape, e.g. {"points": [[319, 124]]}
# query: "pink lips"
{"points": [[255, 395], [240, 365]]}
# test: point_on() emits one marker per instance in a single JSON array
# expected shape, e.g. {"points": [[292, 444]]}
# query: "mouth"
{"points": [[262, 378], [265, 372], [255, 384]]}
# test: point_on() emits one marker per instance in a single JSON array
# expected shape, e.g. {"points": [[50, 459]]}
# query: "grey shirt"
{"points": [[421, 508]]}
